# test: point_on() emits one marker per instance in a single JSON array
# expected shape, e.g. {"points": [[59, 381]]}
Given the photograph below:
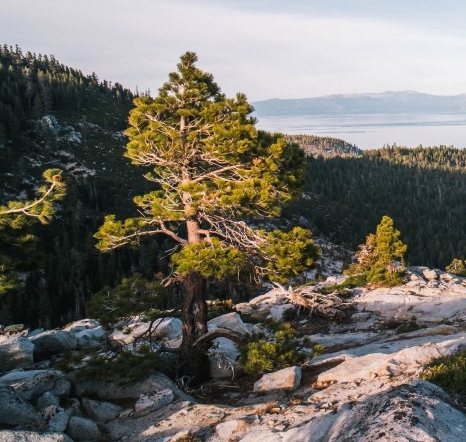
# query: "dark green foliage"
{"points": [[380, 259], [411, 326], [326, 147], [133, 296], [210, 259], [124, 367], [16, 219], [261, 356], [289, 253], [35, 85], [457, 267], [449, 373], [421, 188], [66, 269]]}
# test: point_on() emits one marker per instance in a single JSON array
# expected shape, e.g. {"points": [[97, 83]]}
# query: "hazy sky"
{"points": [[264, 48]]}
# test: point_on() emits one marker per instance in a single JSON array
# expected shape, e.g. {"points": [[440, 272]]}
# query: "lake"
{"points": [[368, 131]]}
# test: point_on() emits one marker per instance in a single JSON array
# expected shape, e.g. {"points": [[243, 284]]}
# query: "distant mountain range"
{"points": [[385, 102]]}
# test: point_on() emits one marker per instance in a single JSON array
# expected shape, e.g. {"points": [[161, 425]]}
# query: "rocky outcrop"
{"points": [[287, 379], [16, 353], [14, 410], [417, 411], [32, 436], [166, 329], [364, 387], [52, 342]]}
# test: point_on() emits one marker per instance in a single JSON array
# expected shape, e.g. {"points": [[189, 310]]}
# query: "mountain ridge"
{"points": [[383, 102]]}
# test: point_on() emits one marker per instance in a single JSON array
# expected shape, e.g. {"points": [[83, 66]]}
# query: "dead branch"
{"points": [[328, 306]]}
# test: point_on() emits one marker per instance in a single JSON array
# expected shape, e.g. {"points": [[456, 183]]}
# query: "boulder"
{"points": [[167, 328], [149, 402], [113, 390], [259, 307], [81, 429], [164, 328], [14, 410], [88, 332], [53, 419], [231, 321], [223, 358], [46, 400], [394, 358], [16, 353], [101, 411], [33, 383], [430, 274], [418, 411], [426, 304], [224, 353], [287, 379], [279, 313], [32, 436], [81, 325], [52, 342]]}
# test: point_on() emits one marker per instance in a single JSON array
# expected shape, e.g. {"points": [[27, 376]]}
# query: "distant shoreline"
{"points": [[374, 130]]}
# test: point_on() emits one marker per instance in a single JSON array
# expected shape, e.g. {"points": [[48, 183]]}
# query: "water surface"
{"points": [[368, 131]]}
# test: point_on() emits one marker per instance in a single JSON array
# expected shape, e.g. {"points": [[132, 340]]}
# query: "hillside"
{"points": [[52, 115], [386, 102], [421, 189], [55, 116]]}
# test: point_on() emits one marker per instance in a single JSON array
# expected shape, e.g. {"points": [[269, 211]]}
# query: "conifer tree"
{"points": [[380, 259], [17, 216], [212, 173]]}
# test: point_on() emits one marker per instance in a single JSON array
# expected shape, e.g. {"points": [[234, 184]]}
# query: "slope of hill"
{"points": [[54, 116], [386, 102]]}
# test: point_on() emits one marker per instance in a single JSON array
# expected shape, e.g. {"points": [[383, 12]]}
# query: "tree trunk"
{"points": [[194, 362]]}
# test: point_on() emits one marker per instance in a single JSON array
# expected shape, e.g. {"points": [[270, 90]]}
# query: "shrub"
{"points": [[343, 289], [449, 373], [261, 356], [133, 296], [125, 367], [457, 267], [410, 326]]}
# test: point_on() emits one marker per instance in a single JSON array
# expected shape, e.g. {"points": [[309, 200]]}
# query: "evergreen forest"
{"points": [[54, 116]]}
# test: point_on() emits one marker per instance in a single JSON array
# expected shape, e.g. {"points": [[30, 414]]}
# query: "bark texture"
{"points": [[194, 362]]}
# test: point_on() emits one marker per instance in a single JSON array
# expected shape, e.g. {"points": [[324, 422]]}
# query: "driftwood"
{"points": [[328, 306]]}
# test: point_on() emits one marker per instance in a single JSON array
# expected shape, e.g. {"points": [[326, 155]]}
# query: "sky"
{"points": [[263, 48]]}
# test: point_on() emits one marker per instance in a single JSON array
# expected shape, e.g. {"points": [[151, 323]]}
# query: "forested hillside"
{"points": [[423, 190], [326, 147], [54, 116]]}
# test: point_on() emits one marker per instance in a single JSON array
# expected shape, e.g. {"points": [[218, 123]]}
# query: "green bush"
{"points": [[343, 289], [410, 326], [262, 356], [219, 307], [124, 368], [133, 296], [449, 373], [457, 267]]}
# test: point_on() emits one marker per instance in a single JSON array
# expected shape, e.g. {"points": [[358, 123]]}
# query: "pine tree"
{"points": [[212, 173], [15, 219], [380, 259]]}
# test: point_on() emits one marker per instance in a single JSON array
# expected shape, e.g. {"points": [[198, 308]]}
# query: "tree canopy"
{"points": [[17, 216], [213, 174], [380, 259], [212, 171]]}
